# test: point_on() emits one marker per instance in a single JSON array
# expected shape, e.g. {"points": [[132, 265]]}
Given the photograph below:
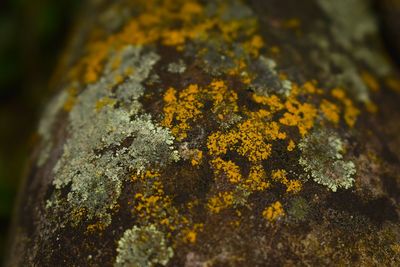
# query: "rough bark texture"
{"points": [[217, 133]]}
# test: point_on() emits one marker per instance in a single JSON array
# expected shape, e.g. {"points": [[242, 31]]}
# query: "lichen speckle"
{"points": [[322, 156], [177, 67], [143, 247]]}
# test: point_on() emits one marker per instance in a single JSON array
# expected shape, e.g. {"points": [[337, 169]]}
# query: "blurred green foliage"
{"points": [[32, 33]]}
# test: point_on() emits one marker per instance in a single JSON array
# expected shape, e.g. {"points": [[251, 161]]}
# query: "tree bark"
{"points": [[217, 133]]}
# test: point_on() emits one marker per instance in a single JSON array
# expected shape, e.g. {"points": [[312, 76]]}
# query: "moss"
{"points": [[143, 247], [322, 157]]}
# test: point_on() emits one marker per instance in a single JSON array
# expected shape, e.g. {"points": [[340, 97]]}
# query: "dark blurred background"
{"points": [[32, 34]]}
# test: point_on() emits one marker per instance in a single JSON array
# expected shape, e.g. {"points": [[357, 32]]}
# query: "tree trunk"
{"points": [[217, 133]]}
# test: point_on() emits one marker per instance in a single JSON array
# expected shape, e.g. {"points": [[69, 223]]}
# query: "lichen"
{"points": [[143, 247], [177, 67], [273, 212], [323, 158], [352, 20], [267, 80], [107, 141], [46, 125]]}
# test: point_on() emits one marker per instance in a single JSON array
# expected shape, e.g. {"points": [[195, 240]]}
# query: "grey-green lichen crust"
{"points": [[322, 156], [109, 138], [352, 23], [46, 125], [143, 247]]}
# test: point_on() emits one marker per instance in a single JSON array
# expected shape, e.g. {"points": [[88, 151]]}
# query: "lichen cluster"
{"points": [[228, 132], [324, 160], [107, 143], [143, 247]]}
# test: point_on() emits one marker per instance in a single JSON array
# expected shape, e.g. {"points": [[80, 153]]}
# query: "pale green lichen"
{"points": [[267, 79], [352, 22], [107, 142], [322, 157], [177, 67], [46, 126], [143, 247]]}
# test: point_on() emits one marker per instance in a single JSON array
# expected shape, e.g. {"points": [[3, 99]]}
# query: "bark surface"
{"points": [[217, 133]]}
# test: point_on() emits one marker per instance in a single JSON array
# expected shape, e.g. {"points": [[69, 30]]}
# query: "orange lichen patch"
{"points": [[190, 235], [218, 142], [350, 111], [292, 186], [197, 157], [174, 38], [219, 202], [273, 102], [172, 23], [228, 168], [70, 102], [252, 142], [154, 205], [183, 108], [300, 115], [273, 212], [106, 101], [256, 181], [224, 100], [330, 111], [393, 84], [253, 46], [250, 135], [311, 88], [370, 81], [291, 146]]}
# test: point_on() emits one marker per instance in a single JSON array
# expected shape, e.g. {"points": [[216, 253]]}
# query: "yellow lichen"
{"points": [[300, 115], [350, 111], [291, 145], [183, 108], [273, 212], [197, 157], [219, 202], [224, 100], [273, 102], [330, 111], [256, 181], [190, 235], [230, 169], [292, 186]]}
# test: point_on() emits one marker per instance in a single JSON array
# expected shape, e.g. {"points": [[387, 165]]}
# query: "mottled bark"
{"points": [[217, 133]]}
